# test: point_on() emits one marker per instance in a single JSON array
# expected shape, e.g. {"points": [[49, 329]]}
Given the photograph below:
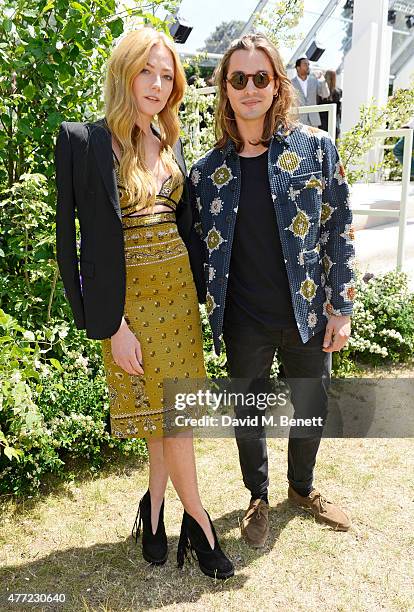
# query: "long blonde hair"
{"points": [[127, 60], [280, 114], [330, 78]]}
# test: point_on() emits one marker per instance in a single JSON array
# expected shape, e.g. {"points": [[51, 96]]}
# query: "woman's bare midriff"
{"points": [[147, 211]]}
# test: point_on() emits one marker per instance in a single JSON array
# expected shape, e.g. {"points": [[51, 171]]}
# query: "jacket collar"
{"points": [[101, 145], [282, 135]]}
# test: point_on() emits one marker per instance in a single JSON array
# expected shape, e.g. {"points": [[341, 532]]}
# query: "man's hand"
{"points": [[337, 333]]}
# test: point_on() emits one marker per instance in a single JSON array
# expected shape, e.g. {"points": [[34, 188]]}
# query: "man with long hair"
{"points": [[273, 210]]}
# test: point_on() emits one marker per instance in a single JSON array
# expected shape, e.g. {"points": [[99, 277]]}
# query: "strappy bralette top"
{"points": [[167, 197]]}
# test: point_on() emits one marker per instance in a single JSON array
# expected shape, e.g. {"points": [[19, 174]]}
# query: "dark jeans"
{"points": [[250, 352]]}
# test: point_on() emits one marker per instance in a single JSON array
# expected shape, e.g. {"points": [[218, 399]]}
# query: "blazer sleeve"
{"points": [[186, 222], [66, 254]]}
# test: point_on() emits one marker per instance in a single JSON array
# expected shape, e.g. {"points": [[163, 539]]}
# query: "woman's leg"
{"points": [[180, 462], [158, 478]]}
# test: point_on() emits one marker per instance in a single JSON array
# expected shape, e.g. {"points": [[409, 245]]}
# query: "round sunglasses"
{"points": [[239, 79]]}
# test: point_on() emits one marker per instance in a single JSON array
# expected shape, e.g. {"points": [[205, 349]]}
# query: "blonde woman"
{"points": [[140, 272], [335, 95]]}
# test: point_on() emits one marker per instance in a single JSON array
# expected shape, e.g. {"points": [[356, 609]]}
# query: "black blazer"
{"points": [[86, 187]]}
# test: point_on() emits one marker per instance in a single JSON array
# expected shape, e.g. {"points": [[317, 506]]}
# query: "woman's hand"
{"points": [[126, 350]]}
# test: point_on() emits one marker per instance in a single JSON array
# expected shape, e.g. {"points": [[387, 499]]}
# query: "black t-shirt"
{"points": [[258, 287]]}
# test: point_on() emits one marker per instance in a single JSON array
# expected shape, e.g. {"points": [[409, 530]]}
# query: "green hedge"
{"points": [[51, 411]]}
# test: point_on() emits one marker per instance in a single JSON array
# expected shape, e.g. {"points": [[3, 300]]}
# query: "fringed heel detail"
{"points": [[183, 544], [136, 529], [154, 545]]}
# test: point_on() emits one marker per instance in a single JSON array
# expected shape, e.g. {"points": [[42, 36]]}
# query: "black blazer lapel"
{"points": [[101, 144], [178, 151]]}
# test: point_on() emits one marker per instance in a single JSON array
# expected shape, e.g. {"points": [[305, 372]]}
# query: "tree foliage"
{"points": [[52, 65], [278, 20], [222, 36], [355, 144]]}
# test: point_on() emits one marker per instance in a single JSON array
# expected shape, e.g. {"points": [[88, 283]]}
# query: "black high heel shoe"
{"points": [[154, 546], [212, 562]]}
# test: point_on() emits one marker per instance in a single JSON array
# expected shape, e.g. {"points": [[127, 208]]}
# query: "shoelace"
{"points": [[322, 501], [256, 510]]}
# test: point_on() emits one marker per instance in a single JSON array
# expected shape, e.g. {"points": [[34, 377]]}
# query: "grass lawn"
{"points": [[75, 539]]}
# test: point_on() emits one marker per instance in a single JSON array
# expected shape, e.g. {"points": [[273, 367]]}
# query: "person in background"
{"points": [[308, 87], [399, 149], [335, 96]]}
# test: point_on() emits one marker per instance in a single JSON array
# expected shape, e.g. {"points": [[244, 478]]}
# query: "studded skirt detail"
{"points": [[161, 309]]}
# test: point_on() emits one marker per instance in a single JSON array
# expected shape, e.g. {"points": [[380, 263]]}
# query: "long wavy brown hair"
{"points": [[282, 113], [127, 60], [330, 78]]}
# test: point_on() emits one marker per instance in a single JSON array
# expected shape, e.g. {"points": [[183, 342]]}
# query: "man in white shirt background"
{"points": [[308, 87]]}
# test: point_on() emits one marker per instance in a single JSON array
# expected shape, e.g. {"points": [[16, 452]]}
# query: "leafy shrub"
{"points": [[21, 423], [382, 323], [216, 367], [28, 269], [49, 412], [197, 121]]}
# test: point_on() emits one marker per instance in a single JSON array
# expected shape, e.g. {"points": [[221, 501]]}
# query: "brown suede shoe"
{"points": [[323, 510], [255, 524]]}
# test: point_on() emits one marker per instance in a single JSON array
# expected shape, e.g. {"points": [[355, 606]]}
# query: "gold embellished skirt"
{"points": [[161, 309]]}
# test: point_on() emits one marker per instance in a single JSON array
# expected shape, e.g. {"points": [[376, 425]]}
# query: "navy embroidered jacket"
{"points": [[314, 220]]}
